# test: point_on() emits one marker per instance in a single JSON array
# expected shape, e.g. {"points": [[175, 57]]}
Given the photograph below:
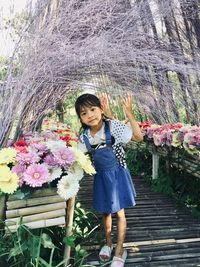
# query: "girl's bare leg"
{"points": [[121, 232], [107, 222]]}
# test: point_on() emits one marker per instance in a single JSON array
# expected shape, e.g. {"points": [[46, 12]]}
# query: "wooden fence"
{"points": [[177, 157]]}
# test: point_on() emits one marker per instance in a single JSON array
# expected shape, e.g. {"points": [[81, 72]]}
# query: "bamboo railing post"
{"points": [[69, 224], [2, 208], [155, 165]]}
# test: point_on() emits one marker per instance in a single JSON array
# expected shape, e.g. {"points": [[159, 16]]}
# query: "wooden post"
{"points": [[155, 165], [2, 208], [69, 224]]}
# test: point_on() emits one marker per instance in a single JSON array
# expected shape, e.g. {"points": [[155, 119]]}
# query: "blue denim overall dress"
{"points": [[113, 189]]}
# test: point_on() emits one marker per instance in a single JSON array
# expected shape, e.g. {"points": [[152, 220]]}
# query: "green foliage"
{"points": [[84, 226], [24, 247], [163, 184], [2, 194], [45, 247], [138, 160], [180, 185], [17, 23], [3, 68]]}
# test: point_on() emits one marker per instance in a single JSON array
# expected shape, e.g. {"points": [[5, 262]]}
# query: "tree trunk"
{"points": [[172, 33], [60, 110]]}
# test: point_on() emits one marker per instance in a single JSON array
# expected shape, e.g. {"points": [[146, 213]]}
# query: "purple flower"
{"points": [[27, 158], [64, 156], [39, 148], [51, 160], [36, 175]]}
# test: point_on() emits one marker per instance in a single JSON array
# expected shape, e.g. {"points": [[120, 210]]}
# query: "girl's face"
{"points": [[91, 116]]}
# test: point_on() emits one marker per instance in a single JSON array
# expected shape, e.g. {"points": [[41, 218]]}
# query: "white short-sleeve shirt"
{"points": [[122, 134]]}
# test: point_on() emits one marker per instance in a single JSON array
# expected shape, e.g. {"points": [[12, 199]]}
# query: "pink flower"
{"points": [[189, 138], [36, 175], [19, 170], [166, 137], [49, 135], [197, 139], [157, 139], [27, 158], [64, 156], [151, 131]]}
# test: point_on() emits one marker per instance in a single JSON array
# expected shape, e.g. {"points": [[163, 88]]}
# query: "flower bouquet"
{"points": [[43, 159]]}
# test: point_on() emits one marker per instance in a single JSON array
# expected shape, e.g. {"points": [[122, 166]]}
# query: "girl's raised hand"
{"points": [[104, 99], [127, 105]]}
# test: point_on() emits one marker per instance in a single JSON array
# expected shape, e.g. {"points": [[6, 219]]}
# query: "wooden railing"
{"points": [[177, 157]]}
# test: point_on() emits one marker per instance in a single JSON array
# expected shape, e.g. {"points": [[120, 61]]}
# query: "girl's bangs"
{"points": [[87, 103]]}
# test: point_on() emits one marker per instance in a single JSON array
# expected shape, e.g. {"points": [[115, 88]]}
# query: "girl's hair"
{"points": [[87, 100]]}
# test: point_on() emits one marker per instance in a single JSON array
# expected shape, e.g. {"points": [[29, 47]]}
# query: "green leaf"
{"points": [[69, 240], [17, 250], [82, 252], [19, 194], [77, 248], [33, 245], [47, 241], [78, 204], [44, 263], [85, 230], [2, 194]]}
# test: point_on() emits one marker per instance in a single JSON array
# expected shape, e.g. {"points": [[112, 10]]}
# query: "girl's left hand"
{"points": [[127, 105], [104, 99]]}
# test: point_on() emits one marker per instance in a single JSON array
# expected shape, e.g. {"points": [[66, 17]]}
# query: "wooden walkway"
{"points": [[160, 232]]}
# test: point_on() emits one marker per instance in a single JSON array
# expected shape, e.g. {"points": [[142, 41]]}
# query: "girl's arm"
{"points": [[127, 106]]}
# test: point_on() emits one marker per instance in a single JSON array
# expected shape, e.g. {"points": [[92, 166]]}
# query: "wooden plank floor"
{"points": [[160, 232]]}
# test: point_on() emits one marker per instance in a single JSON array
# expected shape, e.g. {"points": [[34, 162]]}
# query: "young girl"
{"points": [[113, 189]]}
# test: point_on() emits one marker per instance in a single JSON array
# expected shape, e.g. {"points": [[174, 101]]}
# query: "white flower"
{"points": [[55, 145], [77, 171], [67, 187], [54, 173]]}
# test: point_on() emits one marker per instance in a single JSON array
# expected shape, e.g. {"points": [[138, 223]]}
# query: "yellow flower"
{"points": [[72, 143], [83, 160], [8, 155], [175, 141], [9, 181], [88, 168]]}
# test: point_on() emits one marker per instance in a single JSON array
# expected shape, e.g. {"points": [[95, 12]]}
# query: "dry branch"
{"points": [[69, 44]]}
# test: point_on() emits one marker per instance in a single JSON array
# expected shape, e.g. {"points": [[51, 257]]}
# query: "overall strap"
{"points": [[108, 134], [86, 141]]}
